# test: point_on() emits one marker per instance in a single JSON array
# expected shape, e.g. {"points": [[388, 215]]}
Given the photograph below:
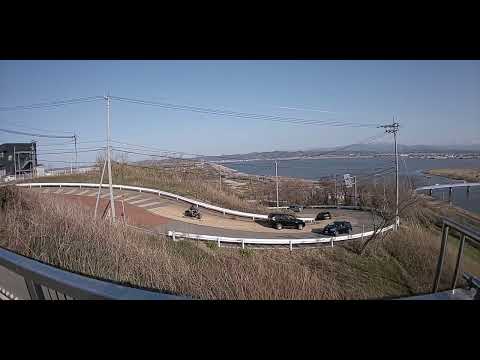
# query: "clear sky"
{"points": [[436, 102]]}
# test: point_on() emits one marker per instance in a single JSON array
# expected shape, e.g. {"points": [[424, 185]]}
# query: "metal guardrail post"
{"points": [[459, 260], [35, 290], [441, 257]]}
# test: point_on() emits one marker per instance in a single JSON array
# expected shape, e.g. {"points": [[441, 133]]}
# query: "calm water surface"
{"points": [[364, 169]]}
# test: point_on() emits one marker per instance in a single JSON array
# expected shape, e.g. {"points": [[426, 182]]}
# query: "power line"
{"points": [[292, 120], [70, 152], [33, 128], [36, 135], [153, 155], [66, 162], [51, 104], [130, 145]]}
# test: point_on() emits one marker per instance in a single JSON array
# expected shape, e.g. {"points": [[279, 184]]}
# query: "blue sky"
{"points": [[436, 102]]}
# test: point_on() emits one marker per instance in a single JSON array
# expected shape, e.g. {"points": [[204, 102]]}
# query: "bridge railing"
{"points": [[33, 280]]}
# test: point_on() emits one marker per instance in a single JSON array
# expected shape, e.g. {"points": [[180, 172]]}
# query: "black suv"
{"points": [[337, 227], [324, 215], [279, 221]]}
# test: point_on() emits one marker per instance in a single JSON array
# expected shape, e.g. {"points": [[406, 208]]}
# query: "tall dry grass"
{"points": [[193, 182], [58, 233]]}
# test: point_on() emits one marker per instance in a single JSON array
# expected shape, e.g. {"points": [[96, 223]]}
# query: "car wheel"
{"points": [[300, 227], [278, 226]]}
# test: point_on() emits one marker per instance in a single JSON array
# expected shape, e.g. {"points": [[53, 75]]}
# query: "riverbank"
{"points": [[470, 175]]}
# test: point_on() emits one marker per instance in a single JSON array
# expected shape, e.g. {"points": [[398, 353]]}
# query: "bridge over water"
{"points": [[450, 187]]}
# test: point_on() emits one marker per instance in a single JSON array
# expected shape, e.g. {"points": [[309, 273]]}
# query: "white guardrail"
{"points": [[160, 193], [290, 242]]}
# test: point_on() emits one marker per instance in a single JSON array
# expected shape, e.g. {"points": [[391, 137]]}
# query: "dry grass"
{"points": [[192, 181], [57, 233]]}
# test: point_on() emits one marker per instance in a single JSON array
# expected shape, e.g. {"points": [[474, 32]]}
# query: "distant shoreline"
{"points": [[471, 175], [359, 157]]}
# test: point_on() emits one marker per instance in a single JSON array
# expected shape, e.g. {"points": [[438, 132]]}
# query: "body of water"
{"points": [[366, 168]]}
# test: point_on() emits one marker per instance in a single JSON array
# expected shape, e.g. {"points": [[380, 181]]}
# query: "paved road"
{"points": [[214, 223]]}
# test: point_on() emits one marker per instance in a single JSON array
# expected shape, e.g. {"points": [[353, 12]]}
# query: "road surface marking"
{"points": [[70, 192], [105, 195], [59, 190], [133, 197], [149, 204], [157, 208], [83, 192], [139, 201]]}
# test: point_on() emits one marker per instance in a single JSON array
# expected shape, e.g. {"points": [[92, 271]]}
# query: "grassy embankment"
{"points": [[400, 264], [199, 183], [470, 175]]}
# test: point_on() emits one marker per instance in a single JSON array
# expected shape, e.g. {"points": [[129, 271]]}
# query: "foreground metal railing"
{"points": [[38, 281], [467, 234]]}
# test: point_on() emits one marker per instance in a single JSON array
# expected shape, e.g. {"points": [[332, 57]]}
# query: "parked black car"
{"points": [[324, 215], [337, 227], [279, 221], [295, 208]]}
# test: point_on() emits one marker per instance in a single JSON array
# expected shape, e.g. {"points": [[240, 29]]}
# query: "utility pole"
{"points": [[355, 191], [15, 162], [393, 129], [109, 163], [276, 176], [336, 201], [220, 173], [100, 188], [76, 157]]}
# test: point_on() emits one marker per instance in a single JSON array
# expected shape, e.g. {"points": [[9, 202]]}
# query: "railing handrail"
{"points": [[466, 234], [74, 285]]}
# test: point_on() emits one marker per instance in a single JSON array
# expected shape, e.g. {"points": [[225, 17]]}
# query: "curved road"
{"points": [[170, 216]]}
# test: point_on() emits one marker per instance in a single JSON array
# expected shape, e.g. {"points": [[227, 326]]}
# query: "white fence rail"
{"points": [[160, 193], [291, 242]]}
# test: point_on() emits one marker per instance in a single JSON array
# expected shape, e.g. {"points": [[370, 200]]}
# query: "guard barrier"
{"points": [[291, 242]]}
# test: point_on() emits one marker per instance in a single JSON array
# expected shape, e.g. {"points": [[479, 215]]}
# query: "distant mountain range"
{"points": [[357, 149]]}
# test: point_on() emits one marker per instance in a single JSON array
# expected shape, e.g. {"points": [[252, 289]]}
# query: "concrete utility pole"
{"points": [[355, 191], [220, 173], [15, 162], [276, 176], [336, 194], [393, 129], [100, 188], [109, 155], [76, 157]]}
